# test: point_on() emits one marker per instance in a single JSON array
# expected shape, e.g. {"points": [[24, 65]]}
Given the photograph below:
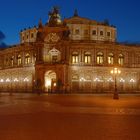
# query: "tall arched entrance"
{"points": [[50, 81]]}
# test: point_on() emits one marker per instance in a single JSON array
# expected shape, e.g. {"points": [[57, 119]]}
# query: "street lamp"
{"points": [[115, 71]]}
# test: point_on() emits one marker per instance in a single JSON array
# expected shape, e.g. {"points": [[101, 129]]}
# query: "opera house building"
{"points": [[73, 55]]}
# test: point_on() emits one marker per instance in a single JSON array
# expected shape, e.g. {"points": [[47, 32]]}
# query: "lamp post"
{"points": [[115, 71]]}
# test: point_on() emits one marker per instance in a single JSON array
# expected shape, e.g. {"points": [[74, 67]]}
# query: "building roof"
{"points": [[80, 20]]}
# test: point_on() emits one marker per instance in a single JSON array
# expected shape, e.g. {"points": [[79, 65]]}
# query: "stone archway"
{"points": [[50, 81]]}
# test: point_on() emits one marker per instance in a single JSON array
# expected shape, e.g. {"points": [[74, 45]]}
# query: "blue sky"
{"points": [[19, 14]]}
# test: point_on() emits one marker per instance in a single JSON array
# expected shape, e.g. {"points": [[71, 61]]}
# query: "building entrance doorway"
{"points": [[50, 81]]}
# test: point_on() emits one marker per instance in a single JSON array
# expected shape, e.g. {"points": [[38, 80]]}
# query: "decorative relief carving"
{"points": [[52, 37]]}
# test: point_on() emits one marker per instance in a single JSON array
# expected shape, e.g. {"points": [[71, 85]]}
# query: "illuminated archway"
{"points": [[50, 81]]}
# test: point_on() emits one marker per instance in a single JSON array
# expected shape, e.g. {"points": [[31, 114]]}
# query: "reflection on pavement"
{"points": [[20, 104]]}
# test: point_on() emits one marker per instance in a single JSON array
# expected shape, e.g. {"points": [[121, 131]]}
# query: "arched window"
{"points": [[75, 58], [27, 58], [110, 58], [19, 60], [87, 57], [12, 60], [100, 58], [121, 59]]}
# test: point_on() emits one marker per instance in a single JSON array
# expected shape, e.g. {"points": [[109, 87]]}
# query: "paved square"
{"points": [[67, 117]]}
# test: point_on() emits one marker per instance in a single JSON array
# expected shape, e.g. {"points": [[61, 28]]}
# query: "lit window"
{"points": [[19, 60], [75, 57], [27, 58], [121, 59], [100, 58], [101, 33], [77, 31], [87, 58], [94, 32], [108, 34], [110, 58]]}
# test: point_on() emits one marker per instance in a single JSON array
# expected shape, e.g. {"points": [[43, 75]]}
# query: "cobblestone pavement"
{"points": [[67, 117]]}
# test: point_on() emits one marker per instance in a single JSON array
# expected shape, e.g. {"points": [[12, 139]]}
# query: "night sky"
{"points": [[19, 14]]}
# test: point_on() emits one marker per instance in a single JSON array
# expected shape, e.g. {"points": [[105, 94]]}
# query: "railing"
{"points": [[106, 65]]}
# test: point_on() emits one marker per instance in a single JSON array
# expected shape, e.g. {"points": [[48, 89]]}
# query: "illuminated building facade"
{"points": [[73, 55]]}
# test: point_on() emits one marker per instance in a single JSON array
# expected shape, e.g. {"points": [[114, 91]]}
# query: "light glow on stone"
{"points": [[132, 80], [122, 80]]}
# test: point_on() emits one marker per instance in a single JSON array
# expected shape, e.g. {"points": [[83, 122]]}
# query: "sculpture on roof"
{"points": [[54, 17]]}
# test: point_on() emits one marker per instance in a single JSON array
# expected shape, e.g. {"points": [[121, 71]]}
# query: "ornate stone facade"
{"points": [[73, 55]]}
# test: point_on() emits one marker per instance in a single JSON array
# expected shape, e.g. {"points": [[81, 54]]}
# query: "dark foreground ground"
{"points": [[69, 117]]}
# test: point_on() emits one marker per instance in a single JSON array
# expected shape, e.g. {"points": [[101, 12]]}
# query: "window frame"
{"points": [[121, 59], [19, 60], [110, 59], [75, 58], [27, 58], [100, 58], [87, 58]]}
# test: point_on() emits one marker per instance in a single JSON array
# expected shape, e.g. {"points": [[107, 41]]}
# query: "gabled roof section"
{"points": [[79, 20]]}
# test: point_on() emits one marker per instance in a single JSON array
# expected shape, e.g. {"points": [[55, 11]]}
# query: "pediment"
{"points": [[54, 51], [79, 20]]}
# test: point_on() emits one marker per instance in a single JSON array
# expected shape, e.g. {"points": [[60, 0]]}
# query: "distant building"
{"points": [[73, 55]]}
